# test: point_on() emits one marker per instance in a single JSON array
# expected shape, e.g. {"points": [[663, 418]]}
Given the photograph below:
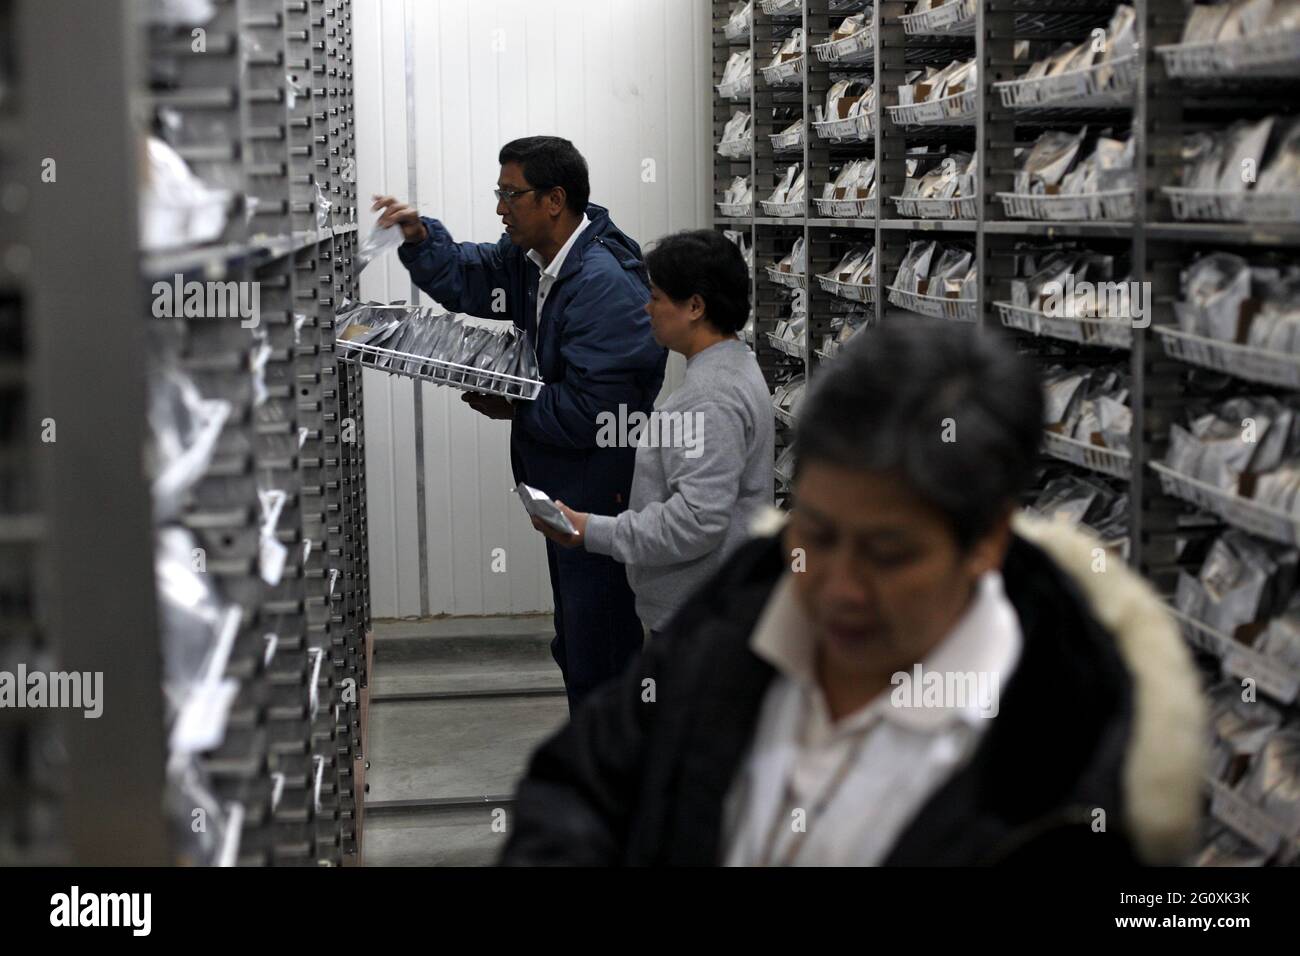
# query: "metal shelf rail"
{"points": [[257, 100]]}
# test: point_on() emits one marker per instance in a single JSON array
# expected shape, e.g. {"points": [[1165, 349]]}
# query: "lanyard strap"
{"points": [[824, 800]]}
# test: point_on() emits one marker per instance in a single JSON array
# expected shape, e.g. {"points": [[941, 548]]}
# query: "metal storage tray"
{"points": [[742, 148], [737, 31], [851, 129], [784, 74], [465, 377], [793, 349], [1243, 361], [739, 89], [1112, 205], [784, 210], [847, 208], [956, 18], [1231, 507], [787, 142], [1273, 54], [962, 207], [956, 110], [852, 291], [856, 49], [736, 210], [1212, 205], [1112, 333], [1076, 88], [1108, 461], [791, 280], [941, 307]]}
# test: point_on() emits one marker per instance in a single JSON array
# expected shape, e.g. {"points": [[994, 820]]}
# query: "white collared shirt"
{"points": [[551, 272], [879, 765]]}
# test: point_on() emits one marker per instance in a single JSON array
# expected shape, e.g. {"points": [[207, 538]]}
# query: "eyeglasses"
{"points": [[509, 196]]}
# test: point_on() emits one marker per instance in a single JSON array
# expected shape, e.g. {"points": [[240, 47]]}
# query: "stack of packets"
{"points": [[440, 347], [1088, 405], [1256, 752], [858, 267], [1247, 446], [1120, 40], [1079, 500], [849, 98], [856, 180], [1052, 166], [952, 177], [952, 275], [1229, 299]]}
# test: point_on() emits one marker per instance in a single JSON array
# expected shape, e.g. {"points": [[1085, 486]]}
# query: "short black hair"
{"points": [[549, 161], [956, 412], [705, 263]]}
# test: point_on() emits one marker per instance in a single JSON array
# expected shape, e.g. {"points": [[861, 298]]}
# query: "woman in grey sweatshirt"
{"points": [[704, 459]]}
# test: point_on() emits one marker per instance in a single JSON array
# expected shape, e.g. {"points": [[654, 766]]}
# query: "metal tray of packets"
{"points": [[419, 343]]}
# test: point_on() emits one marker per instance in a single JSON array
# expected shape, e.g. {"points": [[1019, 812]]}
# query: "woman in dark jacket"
{"points": [[909, 672]]}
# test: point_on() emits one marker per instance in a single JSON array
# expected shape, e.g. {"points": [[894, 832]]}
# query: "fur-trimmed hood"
{"points": [[1165, 753]]}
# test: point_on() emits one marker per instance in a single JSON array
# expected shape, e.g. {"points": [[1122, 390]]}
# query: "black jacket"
{"points": [[640, 774]]}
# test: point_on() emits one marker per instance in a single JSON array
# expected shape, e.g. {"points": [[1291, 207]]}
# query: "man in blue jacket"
{"points": [[576, 285]]}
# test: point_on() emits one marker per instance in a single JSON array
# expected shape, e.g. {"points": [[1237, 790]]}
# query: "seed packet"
{"points": [[1243, 154]]}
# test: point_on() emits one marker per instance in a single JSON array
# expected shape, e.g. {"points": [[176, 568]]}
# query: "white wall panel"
{"points": [[626, 81]]}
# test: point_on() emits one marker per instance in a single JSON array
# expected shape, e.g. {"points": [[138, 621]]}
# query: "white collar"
{"points": [[986, 640], [553, 270]]}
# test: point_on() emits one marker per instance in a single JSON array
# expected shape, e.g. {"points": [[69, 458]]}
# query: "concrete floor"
{"points": [[457, 707]]}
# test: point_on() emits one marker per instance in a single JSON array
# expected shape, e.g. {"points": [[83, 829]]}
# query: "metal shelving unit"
{"points": [[1138, 97], [256, 100]]}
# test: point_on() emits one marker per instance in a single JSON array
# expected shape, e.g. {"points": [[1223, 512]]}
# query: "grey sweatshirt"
{"points": [[703, 470]]}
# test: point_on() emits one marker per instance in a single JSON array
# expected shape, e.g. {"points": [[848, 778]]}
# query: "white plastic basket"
{"points": [[782, 8], [1108, 461], [787, 142], [1272, 54], [955, 110], [738, 30], [741, 148], [1232, 508], [1101, 85], [858, 48], [465, 377], [785, 74], [852, 291], [956, 18], [1112, 333], [1115, 204], [1212, 205], [941, 307], [1243, 361], [1015, 317], [786, 346], [735, 210], [851, 129], [956, 208], [791, 280], [847, 208], [784, 210], [737, 89]]}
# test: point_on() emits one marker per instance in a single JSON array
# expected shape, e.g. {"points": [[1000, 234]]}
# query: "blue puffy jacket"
{"points": [[596, 350]]}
